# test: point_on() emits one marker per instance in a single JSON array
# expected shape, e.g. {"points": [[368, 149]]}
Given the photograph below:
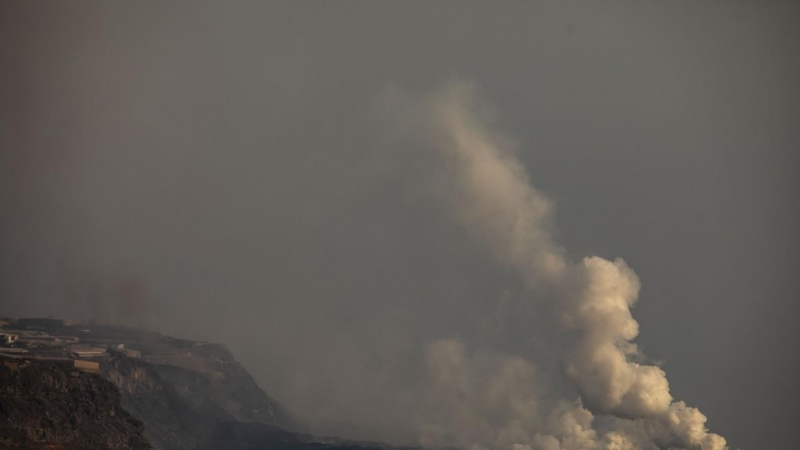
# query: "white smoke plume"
{"points": [[488, 398]]}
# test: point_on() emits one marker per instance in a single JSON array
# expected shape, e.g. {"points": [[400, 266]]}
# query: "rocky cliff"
{"points": [[47, 405], [148, 391], [182, 390]]}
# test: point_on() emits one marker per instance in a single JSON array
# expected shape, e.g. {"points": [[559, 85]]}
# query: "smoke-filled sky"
{"points": [[406, 219]]}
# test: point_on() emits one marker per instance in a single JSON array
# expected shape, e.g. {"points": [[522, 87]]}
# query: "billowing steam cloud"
{"points": [[603, 396]]}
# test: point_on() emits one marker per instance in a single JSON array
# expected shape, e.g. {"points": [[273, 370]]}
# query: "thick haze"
{"points": [[384, 208]]}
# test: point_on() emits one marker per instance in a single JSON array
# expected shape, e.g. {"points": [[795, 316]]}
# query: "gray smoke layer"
{"points": [[605, 395]]}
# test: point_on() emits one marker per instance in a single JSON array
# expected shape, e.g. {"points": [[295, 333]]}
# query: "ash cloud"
{"points": [[491, 399]]}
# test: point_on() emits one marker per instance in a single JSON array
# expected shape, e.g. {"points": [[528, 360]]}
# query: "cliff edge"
{"points": [[48, 405]]}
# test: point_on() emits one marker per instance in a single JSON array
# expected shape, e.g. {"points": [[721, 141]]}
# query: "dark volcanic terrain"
{"points": [[46, 405], [87, 386]]}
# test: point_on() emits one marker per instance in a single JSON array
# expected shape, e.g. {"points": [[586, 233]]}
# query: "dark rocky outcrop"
{"points": [[46, 405]]}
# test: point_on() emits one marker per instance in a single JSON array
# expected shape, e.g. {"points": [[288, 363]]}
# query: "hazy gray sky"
{"points": [[229, 172]]}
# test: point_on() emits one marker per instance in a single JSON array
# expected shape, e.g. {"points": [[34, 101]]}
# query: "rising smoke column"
{"points": [[486, 400]]}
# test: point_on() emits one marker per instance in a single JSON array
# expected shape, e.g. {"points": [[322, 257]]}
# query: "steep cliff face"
{"points": [[214, 376], [183, 390], [50, 405], [170, 421], [185, 409]]}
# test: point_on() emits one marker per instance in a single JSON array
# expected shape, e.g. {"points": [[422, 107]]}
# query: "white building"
{"points": [[8, 339]]}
